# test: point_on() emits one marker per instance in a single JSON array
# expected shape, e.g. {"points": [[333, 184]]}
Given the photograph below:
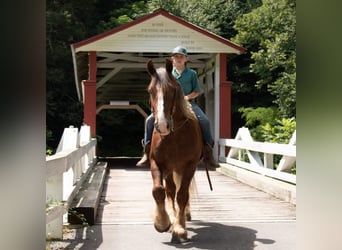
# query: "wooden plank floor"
{"points": [[127, 199]]}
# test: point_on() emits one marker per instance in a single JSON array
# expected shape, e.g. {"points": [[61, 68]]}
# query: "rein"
{"points": [[173, 129], [180, 126]]}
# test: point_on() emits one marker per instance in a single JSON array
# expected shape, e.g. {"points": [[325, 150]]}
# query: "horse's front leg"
{"points": [[170, 188], [179, 233], [161, 218]]}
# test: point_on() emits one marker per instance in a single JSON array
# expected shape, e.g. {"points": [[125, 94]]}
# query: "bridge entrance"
{"points": [[119, 132], [110, 68]]}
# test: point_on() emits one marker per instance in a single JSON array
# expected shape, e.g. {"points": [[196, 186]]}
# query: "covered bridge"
{"points": [[110, 68]]}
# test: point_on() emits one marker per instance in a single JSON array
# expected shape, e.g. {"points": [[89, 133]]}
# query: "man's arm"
{"points": [[191, 96]]}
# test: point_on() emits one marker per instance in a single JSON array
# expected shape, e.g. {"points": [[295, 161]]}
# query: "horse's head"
{"points": [[163, 90]]}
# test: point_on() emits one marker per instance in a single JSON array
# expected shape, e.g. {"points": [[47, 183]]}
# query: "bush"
{"points": [[265, 126], [279, 133]]}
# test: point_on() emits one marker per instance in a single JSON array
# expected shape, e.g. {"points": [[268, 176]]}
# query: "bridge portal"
{"points": [[109, 68]]}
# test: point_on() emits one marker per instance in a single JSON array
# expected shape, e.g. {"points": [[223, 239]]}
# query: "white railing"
{"points": [[65, 172], [243, 142]]}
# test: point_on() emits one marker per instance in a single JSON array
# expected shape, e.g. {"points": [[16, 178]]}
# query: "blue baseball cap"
{"points": [[180, 50]]}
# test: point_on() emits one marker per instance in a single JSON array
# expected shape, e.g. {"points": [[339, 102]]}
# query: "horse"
{"points": [[176, 150]]}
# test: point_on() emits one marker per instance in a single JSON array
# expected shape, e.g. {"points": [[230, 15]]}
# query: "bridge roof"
{"points": [[123, 51]]}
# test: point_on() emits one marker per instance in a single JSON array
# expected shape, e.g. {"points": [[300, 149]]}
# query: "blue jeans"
{"points": [[202, 119]]}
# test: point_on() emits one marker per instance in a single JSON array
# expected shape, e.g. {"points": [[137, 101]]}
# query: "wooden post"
{"points": [[89, 112], [92, 65], [225, 100]]}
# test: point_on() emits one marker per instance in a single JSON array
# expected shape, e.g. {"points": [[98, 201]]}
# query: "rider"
{"points": [[189, 81]]}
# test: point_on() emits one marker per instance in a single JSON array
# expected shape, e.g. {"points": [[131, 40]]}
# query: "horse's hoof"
{"points": [[179, 236], [162, 230]]}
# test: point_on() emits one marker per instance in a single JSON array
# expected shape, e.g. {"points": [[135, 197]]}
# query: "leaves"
{"points": [[281, 132], [265, 125], [269, 32]]}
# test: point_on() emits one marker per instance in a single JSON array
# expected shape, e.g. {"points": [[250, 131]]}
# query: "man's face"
{"points": [[179, 59]]}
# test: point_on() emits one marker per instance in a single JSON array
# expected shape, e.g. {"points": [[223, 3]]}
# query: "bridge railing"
{"points": [[65, 172], [246, 153]]}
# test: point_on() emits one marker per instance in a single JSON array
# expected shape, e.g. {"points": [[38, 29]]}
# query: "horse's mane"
{"points": [[167, 81], [184, 106]]}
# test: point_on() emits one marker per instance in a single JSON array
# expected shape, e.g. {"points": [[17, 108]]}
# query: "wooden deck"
{"points": [[127, 199]]}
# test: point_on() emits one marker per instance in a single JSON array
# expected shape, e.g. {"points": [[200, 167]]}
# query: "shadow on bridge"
{"points": [[207, 235]]}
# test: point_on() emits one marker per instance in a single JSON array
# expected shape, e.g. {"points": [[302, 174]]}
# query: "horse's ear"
{"points": [[168, 65], [150, 68]]}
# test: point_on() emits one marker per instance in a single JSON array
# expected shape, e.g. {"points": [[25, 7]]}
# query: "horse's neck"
{"points": [[180, 114]]}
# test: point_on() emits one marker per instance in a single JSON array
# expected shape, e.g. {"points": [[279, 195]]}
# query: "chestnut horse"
{"points": [[176, 150]]}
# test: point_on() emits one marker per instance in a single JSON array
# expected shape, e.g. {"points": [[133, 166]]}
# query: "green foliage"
{"points": [[118, 16], [49, 140], [64, 25], [269, 34], [172, 6], [68, 22], [213, 15], [281, 132], [258, 116], [265, 125]]}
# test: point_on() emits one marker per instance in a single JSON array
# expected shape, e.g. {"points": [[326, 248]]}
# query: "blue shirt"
{"points": [[188, 80]]}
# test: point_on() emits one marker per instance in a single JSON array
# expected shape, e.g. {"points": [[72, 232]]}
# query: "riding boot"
{"points": [[209, 158], [144, 160]]}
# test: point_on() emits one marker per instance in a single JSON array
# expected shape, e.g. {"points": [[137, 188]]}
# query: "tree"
{"points": [[127, 12], [269, 33], [217, 16], [67, 22], [62, 106]]}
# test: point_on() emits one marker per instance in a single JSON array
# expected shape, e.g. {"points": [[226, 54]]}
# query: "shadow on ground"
{"points": [[208, 235]]}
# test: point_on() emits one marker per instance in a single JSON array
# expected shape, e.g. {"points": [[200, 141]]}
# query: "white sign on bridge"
{"points": [[160, 31]]}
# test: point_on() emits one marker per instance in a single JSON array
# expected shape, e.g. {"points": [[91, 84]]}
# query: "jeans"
{"points": [[202, 119]]}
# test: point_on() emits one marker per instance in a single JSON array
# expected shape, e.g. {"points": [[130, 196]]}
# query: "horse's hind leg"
{"points": [[161, 218], [192, 194], [187, 211]]}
